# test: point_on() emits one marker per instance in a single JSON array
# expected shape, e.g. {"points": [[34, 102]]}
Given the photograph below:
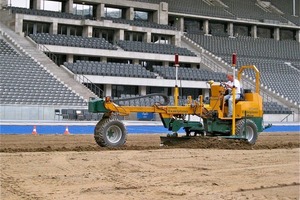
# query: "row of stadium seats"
{"points": [[248, 46], [195, 7], [153, 48], [79, 114], [130, 70], [287, 9], [5, 49], [109, 69], [275, 108], [253, 11], [232, 9], [47, 13], [189, 74], [141, 23], [101, 43], [24, 81], [73, 41]]}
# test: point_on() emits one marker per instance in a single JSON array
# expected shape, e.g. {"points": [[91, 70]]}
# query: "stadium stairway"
{"points": [[23, 43], [207, 60]]}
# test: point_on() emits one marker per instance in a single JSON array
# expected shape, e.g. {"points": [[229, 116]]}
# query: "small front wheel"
{"points": [[110, 132]]}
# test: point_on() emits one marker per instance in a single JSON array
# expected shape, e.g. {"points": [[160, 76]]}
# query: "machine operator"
{"points": [[229, 85]]}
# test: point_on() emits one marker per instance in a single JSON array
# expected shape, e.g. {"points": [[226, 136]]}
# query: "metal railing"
{"points": [[216, 67], [89, 84], [46, 51], [286, 117]]}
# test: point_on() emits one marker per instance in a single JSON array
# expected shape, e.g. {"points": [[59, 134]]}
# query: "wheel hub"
{"points": [[114, 134], [249, 133]]}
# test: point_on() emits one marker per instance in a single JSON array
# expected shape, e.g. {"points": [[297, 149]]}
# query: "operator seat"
{"points": [[242, 96]]}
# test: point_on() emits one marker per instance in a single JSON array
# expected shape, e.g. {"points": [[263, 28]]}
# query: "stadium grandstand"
{"points": [[55, 55]]}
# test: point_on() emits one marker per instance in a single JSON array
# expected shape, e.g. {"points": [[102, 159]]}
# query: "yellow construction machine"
{"points": [[245, 124]]}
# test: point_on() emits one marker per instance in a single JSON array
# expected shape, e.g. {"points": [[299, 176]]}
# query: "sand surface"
{"points": [[74, 167]]}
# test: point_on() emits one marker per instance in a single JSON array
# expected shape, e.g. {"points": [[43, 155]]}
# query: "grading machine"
{"points": [[245, 124]]}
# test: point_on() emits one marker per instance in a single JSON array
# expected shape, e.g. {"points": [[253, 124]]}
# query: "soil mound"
{"points": [[209, 143], [222, 143]]}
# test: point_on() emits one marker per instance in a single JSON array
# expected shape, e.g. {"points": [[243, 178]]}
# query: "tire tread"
{"points": [[99, 132], [240, 125]]}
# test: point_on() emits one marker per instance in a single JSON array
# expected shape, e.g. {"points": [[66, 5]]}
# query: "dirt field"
{"points": [[74, 167]]}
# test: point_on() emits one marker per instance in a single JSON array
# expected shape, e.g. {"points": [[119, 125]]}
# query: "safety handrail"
{"points": [[46, 51], [89, 84], [286, 117]]}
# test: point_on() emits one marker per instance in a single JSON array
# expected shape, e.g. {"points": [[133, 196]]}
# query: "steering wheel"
{"points": [[223, 85]]}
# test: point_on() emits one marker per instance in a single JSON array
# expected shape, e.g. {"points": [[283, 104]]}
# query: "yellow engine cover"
{"points": [[250, 107]]}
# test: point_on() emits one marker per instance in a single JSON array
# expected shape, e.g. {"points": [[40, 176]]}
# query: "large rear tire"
{"points": [[250, 129], [110, 132]]}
